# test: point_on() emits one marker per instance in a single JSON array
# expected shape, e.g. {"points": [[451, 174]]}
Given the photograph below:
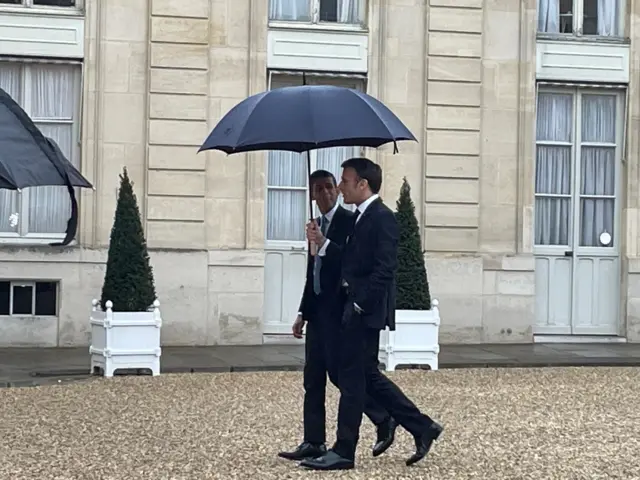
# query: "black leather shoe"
{"points": [[386, 436], [424, 442], [330, 461], [305, 450]]}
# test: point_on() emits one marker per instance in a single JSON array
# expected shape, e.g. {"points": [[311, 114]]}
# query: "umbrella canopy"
{"points": [[28, 158], [300, 119]]}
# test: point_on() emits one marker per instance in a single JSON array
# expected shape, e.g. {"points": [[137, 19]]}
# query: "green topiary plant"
{"points": [[128, 282], [411, 282]]}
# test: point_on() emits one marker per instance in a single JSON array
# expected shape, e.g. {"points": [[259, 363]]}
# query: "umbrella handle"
{"points": [[313, 248]]}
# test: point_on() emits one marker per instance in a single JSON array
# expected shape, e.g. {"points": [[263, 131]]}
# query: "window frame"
{"points": [[29, 7], [22, 236], [577, 92], [577, 19], [32, 284], [316, 24]]}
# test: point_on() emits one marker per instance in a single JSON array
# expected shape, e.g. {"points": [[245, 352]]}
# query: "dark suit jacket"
{"points": [[369, 265], [329, 299]]}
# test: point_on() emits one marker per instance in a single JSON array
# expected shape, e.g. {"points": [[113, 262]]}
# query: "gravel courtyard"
{"points": [[576, 423]]}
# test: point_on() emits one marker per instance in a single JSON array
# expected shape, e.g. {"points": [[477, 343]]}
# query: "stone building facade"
{"points": [[515, 251]]}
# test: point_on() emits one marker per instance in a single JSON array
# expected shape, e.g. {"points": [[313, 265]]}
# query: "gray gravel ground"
{"points": [[571, 423]]}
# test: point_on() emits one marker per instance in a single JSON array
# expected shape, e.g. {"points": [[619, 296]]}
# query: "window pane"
{"points": [[46, 298], [342, 11], [22, 300], [555, 16], [290, 10], [8, 208], [5, 292], [11, 2], [56, 3], [50, 207], [553, 170], [11, 79], [52, 92], [554, 114], [287, 169], [552, 221], [596, 217], [599, 118], [600, 17], [598, 171], [286, 214]]}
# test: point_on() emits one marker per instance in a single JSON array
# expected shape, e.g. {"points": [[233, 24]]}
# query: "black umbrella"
{"points": [[300, 119], [29, 159]]}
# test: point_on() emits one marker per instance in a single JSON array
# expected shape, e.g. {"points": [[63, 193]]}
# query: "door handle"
{"points": [[568, 253]]}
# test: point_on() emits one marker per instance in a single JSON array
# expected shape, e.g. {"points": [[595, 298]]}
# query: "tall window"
{"points": [[349, 12], [42, 3], [49, 93], [576, 161], [581, 17], [287, 176]]}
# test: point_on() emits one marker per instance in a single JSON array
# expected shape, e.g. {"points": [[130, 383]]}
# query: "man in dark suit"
{"points": [[369, 264], [322, 308]]}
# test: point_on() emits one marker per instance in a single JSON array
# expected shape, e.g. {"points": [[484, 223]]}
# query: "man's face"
{"points": [[351, 186], [325, 194]]}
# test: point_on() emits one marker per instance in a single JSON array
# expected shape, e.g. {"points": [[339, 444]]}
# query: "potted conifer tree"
{"points": [[415, 340], [126, 322]]}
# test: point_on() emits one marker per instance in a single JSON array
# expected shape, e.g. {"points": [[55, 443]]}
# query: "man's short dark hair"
{"points": [[321, 175], [367, 170]]}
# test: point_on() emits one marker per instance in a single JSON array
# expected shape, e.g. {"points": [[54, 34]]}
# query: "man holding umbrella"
{"points": [[321, 306], [369, 264]]}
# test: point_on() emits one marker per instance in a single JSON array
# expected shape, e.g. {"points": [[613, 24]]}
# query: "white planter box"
{"points": [[125, 340], [414, 341]]}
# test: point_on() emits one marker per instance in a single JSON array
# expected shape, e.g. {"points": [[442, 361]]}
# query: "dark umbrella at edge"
{"points": [[55, 156]]}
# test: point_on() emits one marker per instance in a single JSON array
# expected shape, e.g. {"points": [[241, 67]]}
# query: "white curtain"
{"points": [[350, 11], [291, 10], [10, 82], [554, 165], [286, 206], [52, 110], [553, 169], [549, 16], [608, 17], [48, 94], [597, 164]]}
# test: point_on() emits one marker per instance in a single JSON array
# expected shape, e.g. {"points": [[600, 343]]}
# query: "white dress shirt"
{"points": [[361, 208]]}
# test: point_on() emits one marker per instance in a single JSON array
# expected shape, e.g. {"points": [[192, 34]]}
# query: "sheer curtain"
{"points": [[350, 11], [286, 196], [549, 16], [10, 82], [597, 165], [290, 10], [52, 110], [553, 169], [607, 17]]}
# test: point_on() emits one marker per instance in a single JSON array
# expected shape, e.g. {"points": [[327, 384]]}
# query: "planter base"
{"points": [[415, 340], [125, 340], [107, 362]]}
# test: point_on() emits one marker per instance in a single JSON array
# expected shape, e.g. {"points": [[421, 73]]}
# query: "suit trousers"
{"points": [[359, 376], [321, 358]]}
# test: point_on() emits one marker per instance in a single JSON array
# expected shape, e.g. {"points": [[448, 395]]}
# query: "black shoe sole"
{"points": [[341, 467]]}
